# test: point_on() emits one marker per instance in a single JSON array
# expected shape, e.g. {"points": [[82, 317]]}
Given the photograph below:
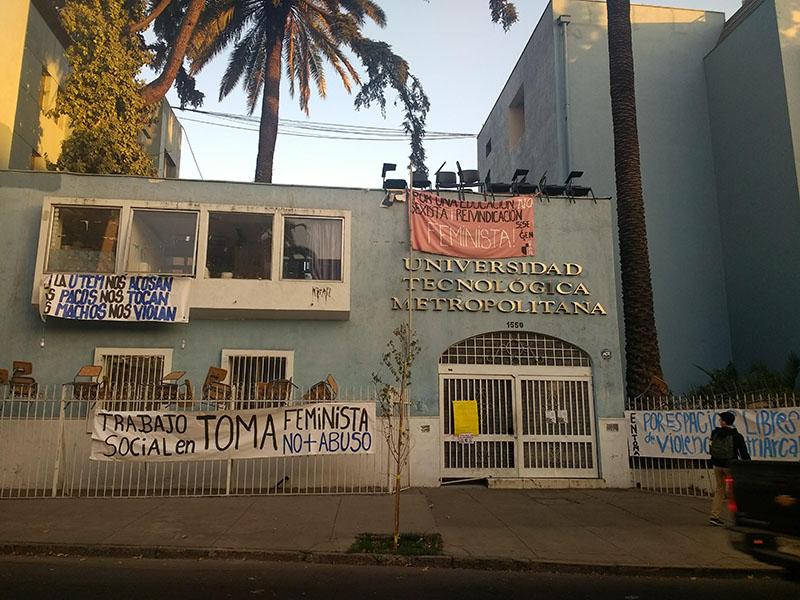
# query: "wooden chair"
{"points": [[276, 392], [86, 385], [214, 390], [170, 390], [3, 376], [322, 391], [23, 385]]}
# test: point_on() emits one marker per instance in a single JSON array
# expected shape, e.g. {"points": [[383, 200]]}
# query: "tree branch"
{"points": [[145, 23], [158, 88]]}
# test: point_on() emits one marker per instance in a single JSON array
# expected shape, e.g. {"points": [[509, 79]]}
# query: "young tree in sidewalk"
{"points": [[402, 349], [101, 95]]}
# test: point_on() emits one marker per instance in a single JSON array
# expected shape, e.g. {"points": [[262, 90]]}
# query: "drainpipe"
{"points": [[564, 20]]}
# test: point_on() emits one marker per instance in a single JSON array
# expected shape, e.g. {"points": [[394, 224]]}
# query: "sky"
{"points": [[462, 59]]}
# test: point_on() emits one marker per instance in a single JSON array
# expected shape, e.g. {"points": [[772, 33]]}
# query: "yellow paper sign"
{"points": [[465, 417]]}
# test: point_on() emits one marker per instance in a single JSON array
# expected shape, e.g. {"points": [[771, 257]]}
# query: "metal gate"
{"points": [[535, 407]]}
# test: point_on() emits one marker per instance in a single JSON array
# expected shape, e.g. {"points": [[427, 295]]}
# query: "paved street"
{"points": [[140, 579]]}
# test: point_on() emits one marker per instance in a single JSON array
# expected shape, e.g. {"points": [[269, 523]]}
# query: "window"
{"points": [[170, 168], [83, 240], [489, 147], [38, 163], [312, 248], [132, 373], [163, 242], [247, 368], [239, 245], [516, 118], [47, 91]]}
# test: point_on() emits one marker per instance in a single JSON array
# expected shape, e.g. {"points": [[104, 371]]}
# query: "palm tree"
{"points": [[643, 359], [300, 36]]}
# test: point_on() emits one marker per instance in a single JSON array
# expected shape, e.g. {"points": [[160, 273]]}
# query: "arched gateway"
{"points": [[535, 407]]}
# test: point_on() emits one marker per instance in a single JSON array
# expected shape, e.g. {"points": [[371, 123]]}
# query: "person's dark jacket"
{"points": [[739, 446]]}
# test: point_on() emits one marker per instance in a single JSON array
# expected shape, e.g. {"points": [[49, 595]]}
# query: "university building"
{"points": [[306, 284], [717, 105], [295, 282]]}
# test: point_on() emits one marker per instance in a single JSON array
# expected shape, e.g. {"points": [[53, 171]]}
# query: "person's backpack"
{"points": [[722, 447]]}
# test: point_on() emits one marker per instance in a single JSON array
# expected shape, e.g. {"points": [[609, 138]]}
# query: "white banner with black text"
{"points": [[315, 429]]}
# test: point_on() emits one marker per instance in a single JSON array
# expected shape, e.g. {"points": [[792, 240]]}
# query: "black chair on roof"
{"points": [[391, 184], [576, 191], [549, 189], [491, 187], [520, 185], [467, 178], [420, 180], [446, 180]]}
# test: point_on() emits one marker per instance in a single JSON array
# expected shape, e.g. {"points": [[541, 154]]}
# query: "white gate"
{"points": [[535, 407]]}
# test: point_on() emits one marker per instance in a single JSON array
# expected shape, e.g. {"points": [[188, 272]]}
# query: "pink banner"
{"points": [[473, 229]]}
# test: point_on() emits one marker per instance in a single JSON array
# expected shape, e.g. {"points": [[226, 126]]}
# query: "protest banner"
{"points": [[770, 433], [314, 429], [503, 228], [125, 297]]}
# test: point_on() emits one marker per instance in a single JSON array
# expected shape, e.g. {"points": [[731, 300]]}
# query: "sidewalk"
{"points": [[482, 528]]}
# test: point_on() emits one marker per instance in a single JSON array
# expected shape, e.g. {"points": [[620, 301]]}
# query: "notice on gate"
{"points": [[125, 297], [473, 229], [315, 429], [770, 433]]}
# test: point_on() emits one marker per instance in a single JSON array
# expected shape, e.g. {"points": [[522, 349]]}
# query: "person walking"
{"points": [[727, 445]]}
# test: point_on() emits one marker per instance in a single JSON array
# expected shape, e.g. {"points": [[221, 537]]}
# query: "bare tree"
{"points": [[401, 350]]}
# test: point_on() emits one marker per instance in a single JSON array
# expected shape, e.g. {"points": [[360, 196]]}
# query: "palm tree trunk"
{"points": [[643, 372], [155, 90], [270, 104]]}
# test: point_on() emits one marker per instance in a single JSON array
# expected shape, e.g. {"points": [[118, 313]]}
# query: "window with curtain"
{"points": [[312, 248], [83, 240]]}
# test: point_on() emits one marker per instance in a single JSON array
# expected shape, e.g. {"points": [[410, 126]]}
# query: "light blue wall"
{"points": [[756, 168], [351, 350], [677, 161]]}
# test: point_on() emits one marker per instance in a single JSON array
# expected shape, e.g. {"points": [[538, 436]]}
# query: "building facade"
{"points": [[715, 106], [754, 103], [300, 282]]}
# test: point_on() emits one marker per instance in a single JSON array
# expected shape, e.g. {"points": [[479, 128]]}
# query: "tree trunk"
{"points": [[155, 90], [643, 373], [270, 104]]}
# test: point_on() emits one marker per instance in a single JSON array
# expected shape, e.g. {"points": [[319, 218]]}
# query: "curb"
{"points": [[389, 560]]}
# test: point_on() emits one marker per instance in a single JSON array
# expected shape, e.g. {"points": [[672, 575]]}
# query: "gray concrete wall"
{"points": [[677, 162], [753, 96], [352, 349], [539, 147]]}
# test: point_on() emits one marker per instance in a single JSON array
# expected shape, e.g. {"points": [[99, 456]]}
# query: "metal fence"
{"points": [[685, 476], [45, 444]]}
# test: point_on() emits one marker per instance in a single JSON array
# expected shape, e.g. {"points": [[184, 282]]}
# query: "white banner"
{"points": [[770, 433], [126, 297], [323, 428]]}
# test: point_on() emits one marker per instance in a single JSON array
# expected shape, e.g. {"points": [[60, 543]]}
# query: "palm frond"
{"points": [[238, 61]]}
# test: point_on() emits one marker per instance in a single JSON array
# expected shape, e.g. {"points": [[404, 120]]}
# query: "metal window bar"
{"points": [[515, 348]]}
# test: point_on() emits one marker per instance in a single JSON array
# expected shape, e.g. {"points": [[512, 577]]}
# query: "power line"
{"points": [[191, 150], [320, 130]]}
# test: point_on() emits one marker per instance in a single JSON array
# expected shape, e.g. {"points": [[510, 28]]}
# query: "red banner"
{"points": [[473, 229]]}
